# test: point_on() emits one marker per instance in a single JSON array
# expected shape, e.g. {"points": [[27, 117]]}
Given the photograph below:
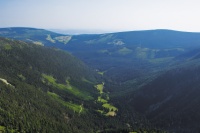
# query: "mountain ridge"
{"points": [[48, 90], [148, 75]]}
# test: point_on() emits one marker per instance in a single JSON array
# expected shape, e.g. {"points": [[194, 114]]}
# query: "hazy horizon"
{"points": [[101, 16]]}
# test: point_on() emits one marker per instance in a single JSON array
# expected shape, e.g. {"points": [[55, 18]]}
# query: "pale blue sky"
{"points": [[108, 15]]}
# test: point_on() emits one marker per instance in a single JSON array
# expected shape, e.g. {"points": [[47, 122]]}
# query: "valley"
{"points": [[103, 98], [137, 81]]}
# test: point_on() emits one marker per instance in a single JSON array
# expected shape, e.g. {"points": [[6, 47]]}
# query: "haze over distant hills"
{"points": [[97, 31], [132, 81], [79, 31]]}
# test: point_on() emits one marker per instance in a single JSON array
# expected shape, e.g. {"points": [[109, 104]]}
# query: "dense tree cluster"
{"points": [[151, 86], [25, 105]]}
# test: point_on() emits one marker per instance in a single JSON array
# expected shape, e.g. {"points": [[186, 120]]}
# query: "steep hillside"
{"points": [[171, 100], [146, 79], [142, 44], [49, 90], [109, 53]]}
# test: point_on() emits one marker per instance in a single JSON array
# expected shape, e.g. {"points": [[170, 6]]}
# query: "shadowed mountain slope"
{"points": [[48, 90]]}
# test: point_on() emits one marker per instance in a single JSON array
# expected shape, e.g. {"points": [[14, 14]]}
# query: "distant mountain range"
{"points": [[79, 32], [142, 45], [147, 80]]}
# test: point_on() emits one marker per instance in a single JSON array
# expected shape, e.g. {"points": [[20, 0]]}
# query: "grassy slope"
{"points": [[67, 87], [113, 52], [23, 65], [103, 98], [74, 107], [53, 91]]}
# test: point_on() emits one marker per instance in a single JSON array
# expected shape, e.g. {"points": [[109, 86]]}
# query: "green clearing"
{"points": [[100, 99], [7, 47], [21, 77], [87, 81], [38, 43], [2, 129], [102, 39], [101, 73], [110, 107], [66, 87], [50, 39], [77, 108], [54, 95], [63, 39], [125, 51], [100, 88], [100, 111], [142, 52], [49, 78], [111, 113], [105, 51]]}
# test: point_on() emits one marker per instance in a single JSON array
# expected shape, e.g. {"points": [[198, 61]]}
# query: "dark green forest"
{"points": [[30, 102], [139, 81]]}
